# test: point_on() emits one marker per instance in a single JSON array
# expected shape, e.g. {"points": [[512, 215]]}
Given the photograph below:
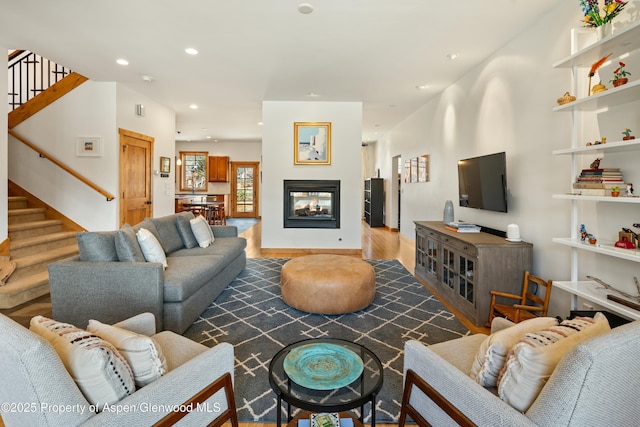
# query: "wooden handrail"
{"points": [[61, 165]]}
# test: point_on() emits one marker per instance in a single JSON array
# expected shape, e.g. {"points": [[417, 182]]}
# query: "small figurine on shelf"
{"points": [[627, 135], [629, 191], [595, 164], [584, 235]]}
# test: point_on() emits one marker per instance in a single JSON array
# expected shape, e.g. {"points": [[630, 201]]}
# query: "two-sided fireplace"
{"points": [[311, 204]]}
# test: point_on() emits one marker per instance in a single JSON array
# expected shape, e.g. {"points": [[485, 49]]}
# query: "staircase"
{"points": [[35, 242]]}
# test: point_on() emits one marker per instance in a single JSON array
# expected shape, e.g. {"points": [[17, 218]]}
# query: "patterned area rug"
{"points": [[251, 315]]}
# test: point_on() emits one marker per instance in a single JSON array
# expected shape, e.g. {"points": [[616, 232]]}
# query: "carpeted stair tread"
{"points": [[22, 290], [25, 215], [51, 255], [33, 224], [38, 240]]}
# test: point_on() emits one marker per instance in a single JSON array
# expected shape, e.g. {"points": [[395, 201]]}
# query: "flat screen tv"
{"points": [[482, 182]]}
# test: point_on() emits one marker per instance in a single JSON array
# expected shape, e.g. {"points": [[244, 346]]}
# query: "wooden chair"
{"points": [[529, 304]]}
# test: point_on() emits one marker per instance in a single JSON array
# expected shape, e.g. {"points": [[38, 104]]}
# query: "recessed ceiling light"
{"points": [[147, 79], [259, 123], [122, 61], [193, 106], [312, 95], [204, 129], [305, 8], [422, 87], [191, 51], [208, 137], [452, 56]]}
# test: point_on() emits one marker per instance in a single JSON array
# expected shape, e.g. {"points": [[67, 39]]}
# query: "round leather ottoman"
{"points": [[328, 284]]}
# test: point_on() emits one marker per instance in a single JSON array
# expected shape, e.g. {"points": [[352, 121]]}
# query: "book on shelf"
{"points": [[324, 419], [473, 229], [344, 422]]}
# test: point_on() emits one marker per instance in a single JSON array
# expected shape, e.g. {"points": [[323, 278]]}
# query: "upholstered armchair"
{"points": [[594, 384], [37, 390]]}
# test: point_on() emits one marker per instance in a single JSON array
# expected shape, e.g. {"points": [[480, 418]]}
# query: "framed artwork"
{"points": [[423, 168], [312, 143], [89, 146], [414, 169], [165, 165]]}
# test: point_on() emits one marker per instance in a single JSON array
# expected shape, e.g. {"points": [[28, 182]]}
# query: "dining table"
{"points": [[212, 211]]}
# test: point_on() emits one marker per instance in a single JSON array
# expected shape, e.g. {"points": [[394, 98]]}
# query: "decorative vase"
{"points": [[620, 81], [447, 216], [604, 30]]}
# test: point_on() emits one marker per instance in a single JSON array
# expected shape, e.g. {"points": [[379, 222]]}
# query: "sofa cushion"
{"points": [[202, 230], [167, 232], [186, 275], [151, 247], [493, 351], [127, 245], [533, 359], [183, 225], [229, 248], [143, 354], [99, 370], [97, 246]]}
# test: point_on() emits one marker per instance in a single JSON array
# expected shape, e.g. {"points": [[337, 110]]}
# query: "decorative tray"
{"points": [[323, 366]]}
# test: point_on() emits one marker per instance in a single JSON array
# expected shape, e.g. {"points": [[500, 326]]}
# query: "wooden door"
{"points": [[136, 154], [244, 189]]}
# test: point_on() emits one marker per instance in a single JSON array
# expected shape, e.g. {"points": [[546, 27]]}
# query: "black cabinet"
{"points": [[374, 202]]}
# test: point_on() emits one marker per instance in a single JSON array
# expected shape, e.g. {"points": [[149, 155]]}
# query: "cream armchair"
{"points": [[36, 390], [595, 384]]}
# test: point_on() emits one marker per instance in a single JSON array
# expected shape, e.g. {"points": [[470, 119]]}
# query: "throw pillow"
{"points": [[533, 359], [151, 247], [99, 370], [493, 351], [127, 246], [183, 225], [97, 246], [167, 233], [202, 230], [142, 353]]}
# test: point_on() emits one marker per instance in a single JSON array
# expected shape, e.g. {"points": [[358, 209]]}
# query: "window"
{"points": [[193, 173]]}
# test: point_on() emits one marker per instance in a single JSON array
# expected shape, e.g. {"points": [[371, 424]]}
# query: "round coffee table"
{"points": [[356, 394]]}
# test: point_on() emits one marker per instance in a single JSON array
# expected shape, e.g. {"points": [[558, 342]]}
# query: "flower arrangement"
{"points": [[592, 16], [620, 72]]}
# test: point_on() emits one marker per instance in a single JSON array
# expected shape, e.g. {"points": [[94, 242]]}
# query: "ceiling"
{"points": [[372, 51]]}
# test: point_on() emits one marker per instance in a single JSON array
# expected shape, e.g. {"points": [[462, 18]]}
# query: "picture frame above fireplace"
{"points": [[312, 143]]}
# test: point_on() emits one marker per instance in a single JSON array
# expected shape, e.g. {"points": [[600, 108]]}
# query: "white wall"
{"points": [[4, 193], [277, 153], [94, 109], [158, 122], [506, 105]]}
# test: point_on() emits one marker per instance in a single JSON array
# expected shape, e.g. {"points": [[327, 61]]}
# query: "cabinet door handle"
{"points": [[465, 247]]}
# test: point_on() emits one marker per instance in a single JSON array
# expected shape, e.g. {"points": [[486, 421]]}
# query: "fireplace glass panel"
{"points": [[311, 204]]}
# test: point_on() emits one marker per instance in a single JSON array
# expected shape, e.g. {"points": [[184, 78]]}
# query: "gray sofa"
{"points": [[110, 281]]}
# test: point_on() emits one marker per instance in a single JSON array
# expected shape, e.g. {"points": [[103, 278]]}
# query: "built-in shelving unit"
{"points": [[374, 202], [619, 43]]}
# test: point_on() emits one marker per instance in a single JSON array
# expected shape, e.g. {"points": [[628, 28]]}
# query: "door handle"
{"points": [[148, 202]]}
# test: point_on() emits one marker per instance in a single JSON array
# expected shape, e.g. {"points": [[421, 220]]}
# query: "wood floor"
{"points": [[377, 243]]}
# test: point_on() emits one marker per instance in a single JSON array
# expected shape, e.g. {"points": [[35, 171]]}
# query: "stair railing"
{"points": [[61, 165], [31, 74]]}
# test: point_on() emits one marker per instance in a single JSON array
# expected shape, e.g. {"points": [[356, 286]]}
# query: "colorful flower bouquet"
{"points": [[592, 14], [620, 75]]}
